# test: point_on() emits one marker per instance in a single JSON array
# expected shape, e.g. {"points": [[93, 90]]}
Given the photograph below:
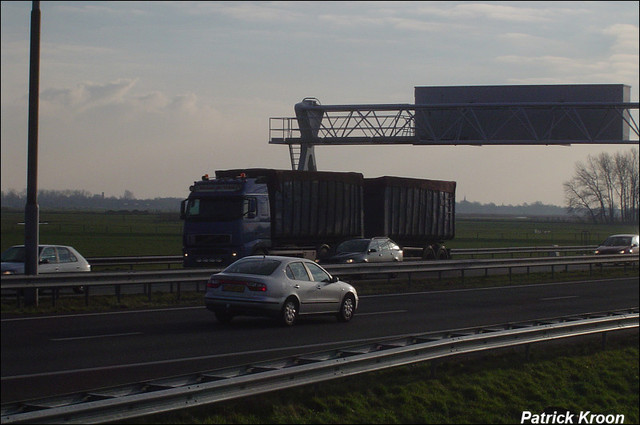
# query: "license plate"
{"points": [[233, 288]]}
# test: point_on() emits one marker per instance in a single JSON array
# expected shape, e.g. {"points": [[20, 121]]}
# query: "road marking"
{"points": [[381, 312], [95, 336], [559, 298]]}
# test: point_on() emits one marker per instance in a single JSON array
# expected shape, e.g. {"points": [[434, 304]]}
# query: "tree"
{"points": [[605, 188]]}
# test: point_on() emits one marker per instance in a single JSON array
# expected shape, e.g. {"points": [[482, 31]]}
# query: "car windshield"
{"points": [[354, 245], [215, 209], [262, 267], [15, 254], [617, 241]]}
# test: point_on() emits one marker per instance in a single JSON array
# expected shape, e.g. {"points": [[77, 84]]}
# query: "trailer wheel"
{"points": [[322, 251], [428, 253], [442, 254]]}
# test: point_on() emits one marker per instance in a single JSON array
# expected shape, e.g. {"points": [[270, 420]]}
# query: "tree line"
{"points": [[604, 188]]}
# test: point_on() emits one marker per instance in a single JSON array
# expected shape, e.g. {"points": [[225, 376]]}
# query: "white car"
{"points": [[51, 259], [281, 287]]}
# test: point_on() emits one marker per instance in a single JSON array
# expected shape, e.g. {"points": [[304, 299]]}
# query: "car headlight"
{"points": [[349, 261], [7, 272]]}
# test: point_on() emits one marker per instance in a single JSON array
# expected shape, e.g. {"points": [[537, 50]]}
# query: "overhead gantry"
{"points": [[459, 123]]}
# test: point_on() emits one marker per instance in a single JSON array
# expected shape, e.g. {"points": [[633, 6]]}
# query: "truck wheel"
{"points": [[442, 254], [347, 308], [289, 312]]}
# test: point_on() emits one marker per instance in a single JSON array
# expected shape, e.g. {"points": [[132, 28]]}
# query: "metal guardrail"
{"points": [[200, 276], [177, 259], [163, 395]]}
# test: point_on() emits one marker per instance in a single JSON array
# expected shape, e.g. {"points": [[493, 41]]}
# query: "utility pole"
{"points": [[31, 212]]}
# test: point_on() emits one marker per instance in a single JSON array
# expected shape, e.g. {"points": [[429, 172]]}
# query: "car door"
{"points": [[67, 261], [327, 295], [48, 261], [303, 286], [373, 252]]}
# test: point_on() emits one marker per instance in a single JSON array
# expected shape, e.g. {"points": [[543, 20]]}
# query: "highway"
{"points": [[45, 356]]}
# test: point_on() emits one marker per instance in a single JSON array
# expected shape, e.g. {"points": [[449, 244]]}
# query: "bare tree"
{"points": [[605, 188]]}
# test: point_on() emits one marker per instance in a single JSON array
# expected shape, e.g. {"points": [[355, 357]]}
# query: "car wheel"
{"points": [[78, 289], [347, 308], [223, 316], [289, 312]]}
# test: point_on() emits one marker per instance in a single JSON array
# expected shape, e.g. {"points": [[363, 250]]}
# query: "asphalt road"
{"points": [[53, 355]]}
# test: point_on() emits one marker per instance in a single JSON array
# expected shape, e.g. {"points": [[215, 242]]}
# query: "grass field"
{"points": [[97, 234]]}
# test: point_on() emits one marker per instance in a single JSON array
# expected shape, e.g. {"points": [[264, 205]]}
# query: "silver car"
{"points": [[51, 259], [619, 244], [281, 287], [372, 250]]}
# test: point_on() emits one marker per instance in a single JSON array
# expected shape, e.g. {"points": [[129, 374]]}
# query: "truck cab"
{"points": [[225, 219]]}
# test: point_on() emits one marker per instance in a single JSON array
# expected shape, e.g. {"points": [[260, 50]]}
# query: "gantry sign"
{"points": [[466, 115]]}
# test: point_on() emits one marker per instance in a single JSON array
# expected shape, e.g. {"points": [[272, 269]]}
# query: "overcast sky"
{"points": [[149, 96]]}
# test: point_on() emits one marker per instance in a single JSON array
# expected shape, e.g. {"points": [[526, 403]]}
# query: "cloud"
{"points": [[89, 95]]}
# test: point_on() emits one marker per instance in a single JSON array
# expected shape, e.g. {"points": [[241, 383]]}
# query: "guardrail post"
{"points": [[86, 295], [118, 293]]}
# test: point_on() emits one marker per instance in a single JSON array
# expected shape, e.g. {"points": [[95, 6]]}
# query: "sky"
{"points": [[146, 97]]}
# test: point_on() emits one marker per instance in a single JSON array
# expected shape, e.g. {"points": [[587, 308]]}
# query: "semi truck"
{"points": [[252, 211]]}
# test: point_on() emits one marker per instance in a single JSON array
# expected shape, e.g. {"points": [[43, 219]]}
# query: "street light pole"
{"points": [[31, 212]]}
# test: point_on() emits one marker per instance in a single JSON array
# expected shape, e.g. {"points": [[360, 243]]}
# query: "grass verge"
{"points": [[486, 388]]}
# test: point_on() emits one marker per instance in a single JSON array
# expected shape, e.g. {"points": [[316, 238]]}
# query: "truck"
{"points": [[264, 211]]}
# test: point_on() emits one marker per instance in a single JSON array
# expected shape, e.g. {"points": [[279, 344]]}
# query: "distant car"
{"points": [[619, 244], [281, 287], [372, 250], [51, 259]]}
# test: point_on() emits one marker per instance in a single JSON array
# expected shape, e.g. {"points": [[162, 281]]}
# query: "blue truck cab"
{"points": [[225, 219]]}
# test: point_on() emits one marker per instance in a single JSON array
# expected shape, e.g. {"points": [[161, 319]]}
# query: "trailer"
{"points": [[418, 214]]}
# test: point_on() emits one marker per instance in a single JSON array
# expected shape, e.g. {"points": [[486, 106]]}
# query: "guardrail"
{"points": [[163, 395], [201, 276], [170, 260]]}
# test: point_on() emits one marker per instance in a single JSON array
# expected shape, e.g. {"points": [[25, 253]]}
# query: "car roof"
{"points": [[276, 257]]}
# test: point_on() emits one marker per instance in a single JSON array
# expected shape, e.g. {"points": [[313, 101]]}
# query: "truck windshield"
{"points": [[217, 209]]}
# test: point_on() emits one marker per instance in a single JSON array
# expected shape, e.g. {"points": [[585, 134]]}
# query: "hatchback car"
{"points": [[281, 287], [51, 259], [619, 244], [373, 250]]}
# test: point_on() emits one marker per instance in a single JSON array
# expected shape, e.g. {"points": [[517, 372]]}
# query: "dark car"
{"points": [[366, 250], [619, 244]]}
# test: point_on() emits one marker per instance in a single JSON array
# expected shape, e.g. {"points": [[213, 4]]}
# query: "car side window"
{"points": [[318, 274], [66, 256], [297, 271], [373, 246], [49, 255]]}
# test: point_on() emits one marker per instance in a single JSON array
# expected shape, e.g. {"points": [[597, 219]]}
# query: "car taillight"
{"points": [[213, 283], [252, 286], [256, 286]]}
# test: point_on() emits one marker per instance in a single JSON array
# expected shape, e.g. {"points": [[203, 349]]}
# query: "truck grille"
{"points": [[209, 239]]}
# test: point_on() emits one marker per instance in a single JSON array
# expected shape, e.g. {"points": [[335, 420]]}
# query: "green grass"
{"points": [[485, 388], [99, 234]]}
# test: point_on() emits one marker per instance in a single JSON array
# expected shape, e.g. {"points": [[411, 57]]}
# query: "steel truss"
{"points": [[450, 124]]}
